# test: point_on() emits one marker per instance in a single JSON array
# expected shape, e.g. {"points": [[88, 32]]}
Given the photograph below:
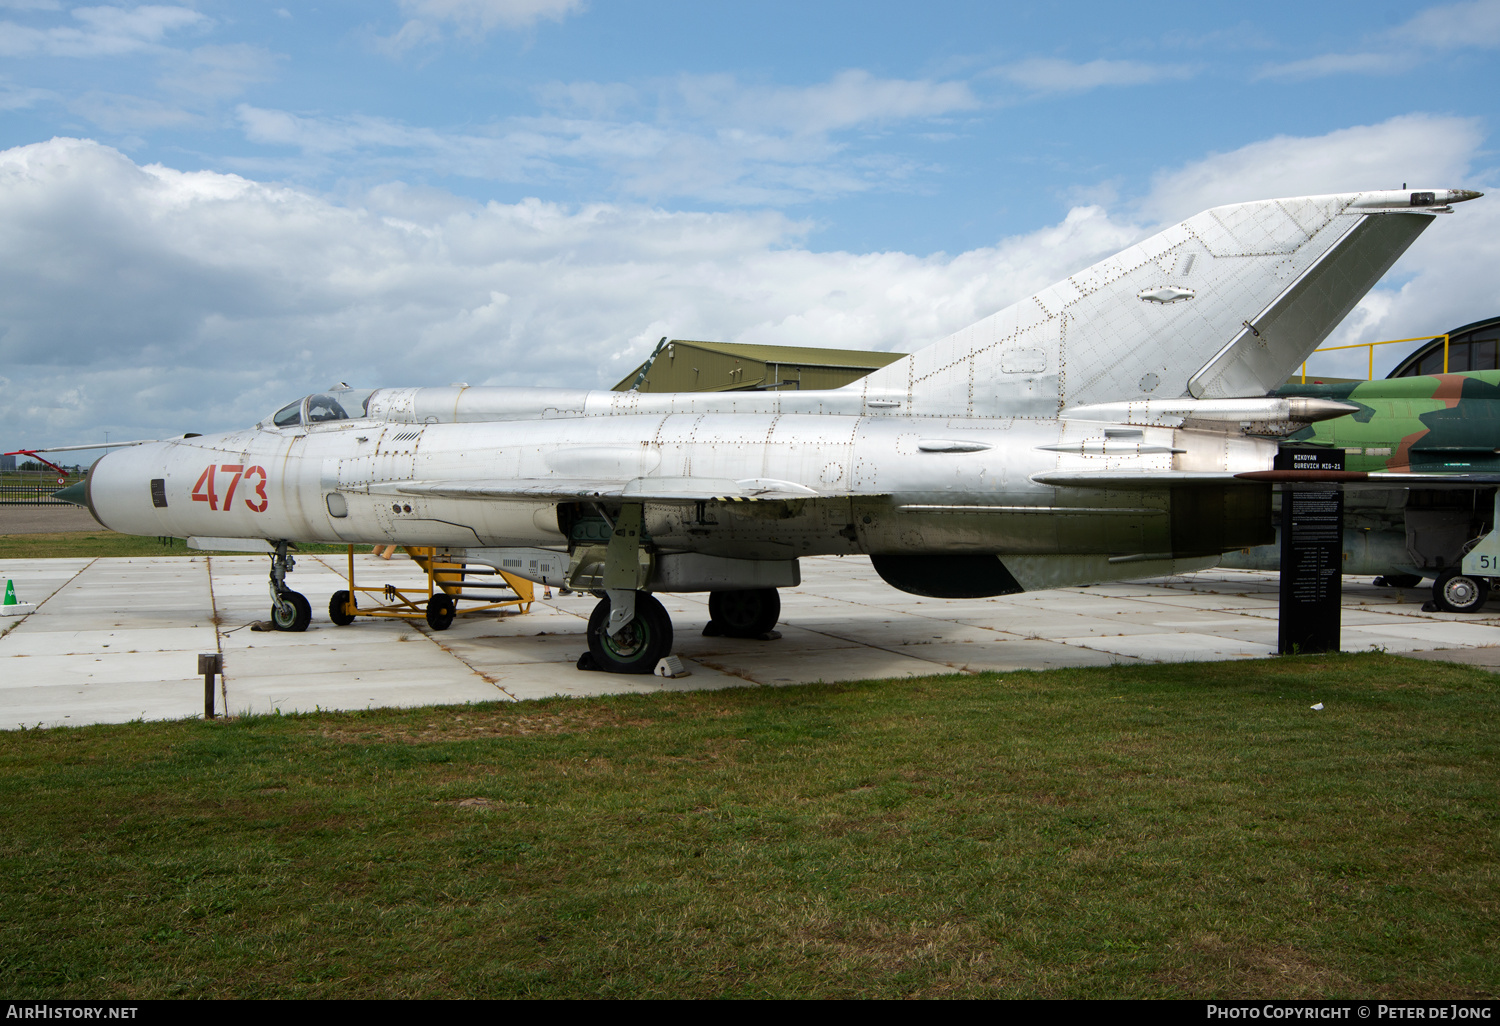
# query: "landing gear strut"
{"points": [[290, 610], [629, 631]]}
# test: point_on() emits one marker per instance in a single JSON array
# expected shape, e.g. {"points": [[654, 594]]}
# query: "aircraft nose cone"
{"points": [[77, 494]]}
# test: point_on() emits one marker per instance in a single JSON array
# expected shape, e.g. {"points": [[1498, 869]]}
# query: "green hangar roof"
{"points": [[683, 365]]}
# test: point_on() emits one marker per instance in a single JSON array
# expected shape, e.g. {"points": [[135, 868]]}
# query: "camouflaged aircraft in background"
{"points": [[1426, 443]]}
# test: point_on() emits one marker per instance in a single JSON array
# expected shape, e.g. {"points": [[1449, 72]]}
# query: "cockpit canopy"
{"points": [[322, 407]]}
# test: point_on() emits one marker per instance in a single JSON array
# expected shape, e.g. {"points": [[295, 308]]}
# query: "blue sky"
{"points": [[531, 191]]}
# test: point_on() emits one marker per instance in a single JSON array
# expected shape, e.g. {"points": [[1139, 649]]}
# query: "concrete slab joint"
{"points": [[114, 640]]}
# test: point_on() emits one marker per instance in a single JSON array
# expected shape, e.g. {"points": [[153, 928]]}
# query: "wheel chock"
{"points": [[671, 666]]}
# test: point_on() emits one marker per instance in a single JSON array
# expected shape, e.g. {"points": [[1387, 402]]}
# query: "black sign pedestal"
{"points": [[1312, 555]]}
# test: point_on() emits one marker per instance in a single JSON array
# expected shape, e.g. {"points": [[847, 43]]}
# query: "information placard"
{"points": [[1312, 556]]}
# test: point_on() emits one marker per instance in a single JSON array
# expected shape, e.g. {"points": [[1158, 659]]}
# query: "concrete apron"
{"points": [[115, 640]]}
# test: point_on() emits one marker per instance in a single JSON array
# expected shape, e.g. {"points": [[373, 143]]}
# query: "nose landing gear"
{"points": [[1457, 592], [290, 610]]}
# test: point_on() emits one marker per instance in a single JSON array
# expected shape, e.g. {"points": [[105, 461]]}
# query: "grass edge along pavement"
{"points": [[1189, 830]]}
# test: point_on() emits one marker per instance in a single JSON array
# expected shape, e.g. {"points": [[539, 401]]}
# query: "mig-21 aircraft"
{"points": [[1115, 425]]}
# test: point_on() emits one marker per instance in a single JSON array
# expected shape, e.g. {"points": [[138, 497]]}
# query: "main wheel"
{"points": [[745, 614], [639, 645], [340, 608], [294, 614], [1456, 592], [440, 612]]}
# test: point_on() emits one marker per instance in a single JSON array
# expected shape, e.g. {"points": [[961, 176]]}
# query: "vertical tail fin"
{"points": [[1223, 304]]}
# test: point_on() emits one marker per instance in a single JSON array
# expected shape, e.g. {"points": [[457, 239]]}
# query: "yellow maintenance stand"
{"points": [[448, 583]]}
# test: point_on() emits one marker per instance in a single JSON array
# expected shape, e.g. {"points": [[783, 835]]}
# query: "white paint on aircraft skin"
{"points": [[1006, 419], [489, 479]]}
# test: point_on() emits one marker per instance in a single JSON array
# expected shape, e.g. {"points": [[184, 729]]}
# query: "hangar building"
{"points": [[681, 365]]}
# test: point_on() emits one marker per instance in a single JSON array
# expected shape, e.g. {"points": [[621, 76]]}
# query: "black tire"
{"points": [[640, 646], [745, 614], [296, 614], [440, 612], [338, 609], [1456, 592], [1403, 580]]}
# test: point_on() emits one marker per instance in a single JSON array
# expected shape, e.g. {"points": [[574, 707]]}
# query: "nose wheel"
{"points": [[290, 610], [1457, 592], [294, 612]]}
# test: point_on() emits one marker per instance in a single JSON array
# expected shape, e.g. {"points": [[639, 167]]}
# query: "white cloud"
{"points": [[484, 15], [153, 301], [336, 135], [103, 31], [1424, 150], [120, 113], [1447, 27], [1052, 75], [171, 301], [21, 97], [1453, 26], [216, 72], [472, 18], [850, 98], [705, 136], [1340, 64]]}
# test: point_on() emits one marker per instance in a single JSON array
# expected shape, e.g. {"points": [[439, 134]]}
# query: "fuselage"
{"points": [[874, 481]]}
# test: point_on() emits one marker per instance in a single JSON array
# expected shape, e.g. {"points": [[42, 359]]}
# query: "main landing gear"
{"points": [[629, 631], [743, 614], [646, 638], [290, 610], [636, 647]]}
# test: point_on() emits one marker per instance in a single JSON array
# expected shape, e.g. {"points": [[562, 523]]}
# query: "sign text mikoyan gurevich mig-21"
{"points": [[1101, 429]]}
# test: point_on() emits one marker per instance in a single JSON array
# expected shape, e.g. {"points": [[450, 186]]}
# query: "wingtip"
{"points": [[1412, 199]]}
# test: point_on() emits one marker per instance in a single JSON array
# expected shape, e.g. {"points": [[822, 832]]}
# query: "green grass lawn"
{"points": [[1190, 830], [100, 542]]}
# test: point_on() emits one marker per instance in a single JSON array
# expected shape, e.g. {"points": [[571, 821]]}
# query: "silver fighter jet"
{"points": [[1100, 429]]}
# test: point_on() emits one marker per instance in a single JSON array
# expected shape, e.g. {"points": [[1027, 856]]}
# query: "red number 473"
{"points": [[205, 490]]}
